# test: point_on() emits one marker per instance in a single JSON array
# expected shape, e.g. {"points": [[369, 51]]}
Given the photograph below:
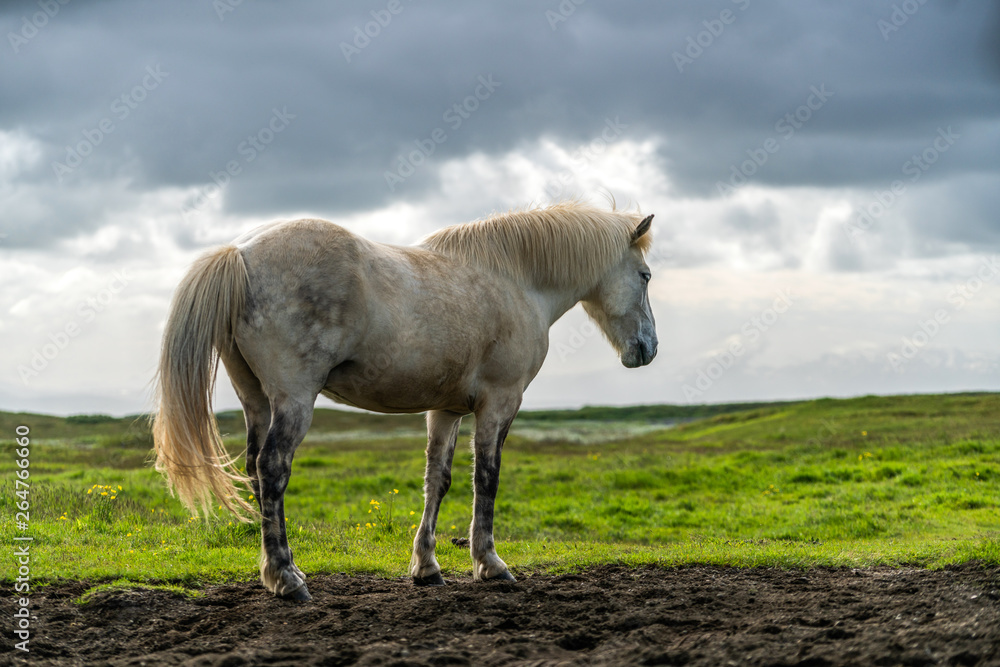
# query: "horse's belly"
{"points": [[383, 388]]}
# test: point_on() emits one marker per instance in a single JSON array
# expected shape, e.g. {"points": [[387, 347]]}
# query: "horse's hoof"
{"points": [[503, 576], [300, 594], [433, 580]]}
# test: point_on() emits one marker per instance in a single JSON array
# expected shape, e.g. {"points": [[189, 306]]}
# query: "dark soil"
{"points": [[605, 616]]}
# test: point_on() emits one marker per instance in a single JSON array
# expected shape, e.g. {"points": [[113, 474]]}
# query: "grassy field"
{"points": [[909, 480]]}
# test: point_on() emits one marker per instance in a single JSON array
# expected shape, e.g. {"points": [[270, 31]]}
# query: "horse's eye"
{"points": [[646, 276]]}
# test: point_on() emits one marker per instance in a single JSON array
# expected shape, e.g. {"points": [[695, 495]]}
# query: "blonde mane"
{"points": [[557, 246]]}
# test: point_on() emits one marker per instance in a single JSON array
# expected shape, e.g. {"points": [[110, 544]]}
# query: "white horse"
{"points": [[455, 325]]}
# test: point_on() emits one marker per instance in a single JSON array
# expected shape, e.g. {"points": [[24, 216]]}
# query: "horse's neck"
{"points": [[553, 303]]}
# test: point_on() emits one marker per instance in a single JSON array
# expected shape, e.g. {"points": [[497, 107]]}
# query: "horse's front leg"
{"points": [[492, 425], [442, 433], [278, 572]]}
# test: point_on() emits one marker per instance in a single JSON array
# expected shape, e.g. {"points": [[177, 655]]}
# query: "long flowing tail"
{"points": [[186, 440]]}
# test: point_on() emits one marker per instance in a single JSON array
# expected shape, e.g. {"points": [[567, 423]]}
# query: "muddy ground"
{"points": [[605, 616]]}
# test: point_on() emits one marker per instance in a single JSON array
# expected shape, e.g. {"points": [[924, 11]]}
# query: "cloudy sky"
{"points": [[824, 175]]}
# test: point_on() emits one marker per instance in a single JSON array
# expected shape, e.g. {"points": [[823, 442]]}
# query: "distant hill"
{"points": [[327, 419], [647, 413], [133, 430]]}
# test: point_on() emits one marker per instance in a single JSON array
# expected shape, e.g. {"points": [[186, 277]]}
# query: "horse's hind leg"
{"points": [[289, 422], [442, 433], [256, 410]]}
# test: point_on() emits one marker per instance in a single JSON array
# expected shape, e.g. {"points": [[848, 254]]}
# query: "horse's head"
{"points": [[620, 303]]}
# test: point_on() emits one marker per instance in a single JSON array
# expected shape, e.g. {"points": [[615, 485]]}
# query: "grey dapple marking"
{"points": [[455, 325]]}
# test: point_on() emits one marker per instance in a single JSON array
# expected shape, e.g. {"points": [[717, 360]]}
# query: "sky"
{"points": [[824, 175]]}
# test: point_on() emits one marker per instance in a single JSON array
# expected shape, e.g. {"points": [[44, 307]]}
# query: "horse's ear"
{"points": [[643, 227]]}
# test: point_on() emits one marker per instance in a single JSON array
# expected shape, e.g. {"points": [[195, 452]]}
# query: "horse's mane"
{"points": [[560, 245]]}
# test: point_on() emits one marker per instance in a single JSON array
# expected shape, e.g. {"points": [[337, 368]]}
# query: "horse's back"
{"points": [[301, 243]]}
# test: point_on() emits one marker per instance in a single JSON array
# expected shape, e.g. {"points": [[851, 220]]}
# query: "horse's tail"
{"points": [[189, 449]]}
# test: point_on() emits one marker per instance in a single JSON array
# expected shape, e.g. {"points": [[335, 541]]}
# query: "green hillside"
{"points": [[895, 480]]}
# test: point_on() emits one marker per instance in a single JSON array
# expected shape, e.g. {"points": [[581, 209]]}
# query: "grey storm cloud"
{"points": [[827, 94]]}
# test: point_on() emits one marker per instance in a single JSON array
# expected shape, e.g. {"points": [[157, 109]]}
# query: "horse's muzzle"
{"points": [[639, 353]]}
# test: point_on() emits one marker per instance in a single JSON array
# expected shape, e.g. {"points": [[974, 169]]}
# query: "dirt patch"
{"points": [[607, 615]]}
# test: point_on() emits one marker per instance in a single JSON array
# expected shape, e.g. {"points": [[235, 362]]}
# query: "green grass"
{"points": [[907, 480], [127, 585]]}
